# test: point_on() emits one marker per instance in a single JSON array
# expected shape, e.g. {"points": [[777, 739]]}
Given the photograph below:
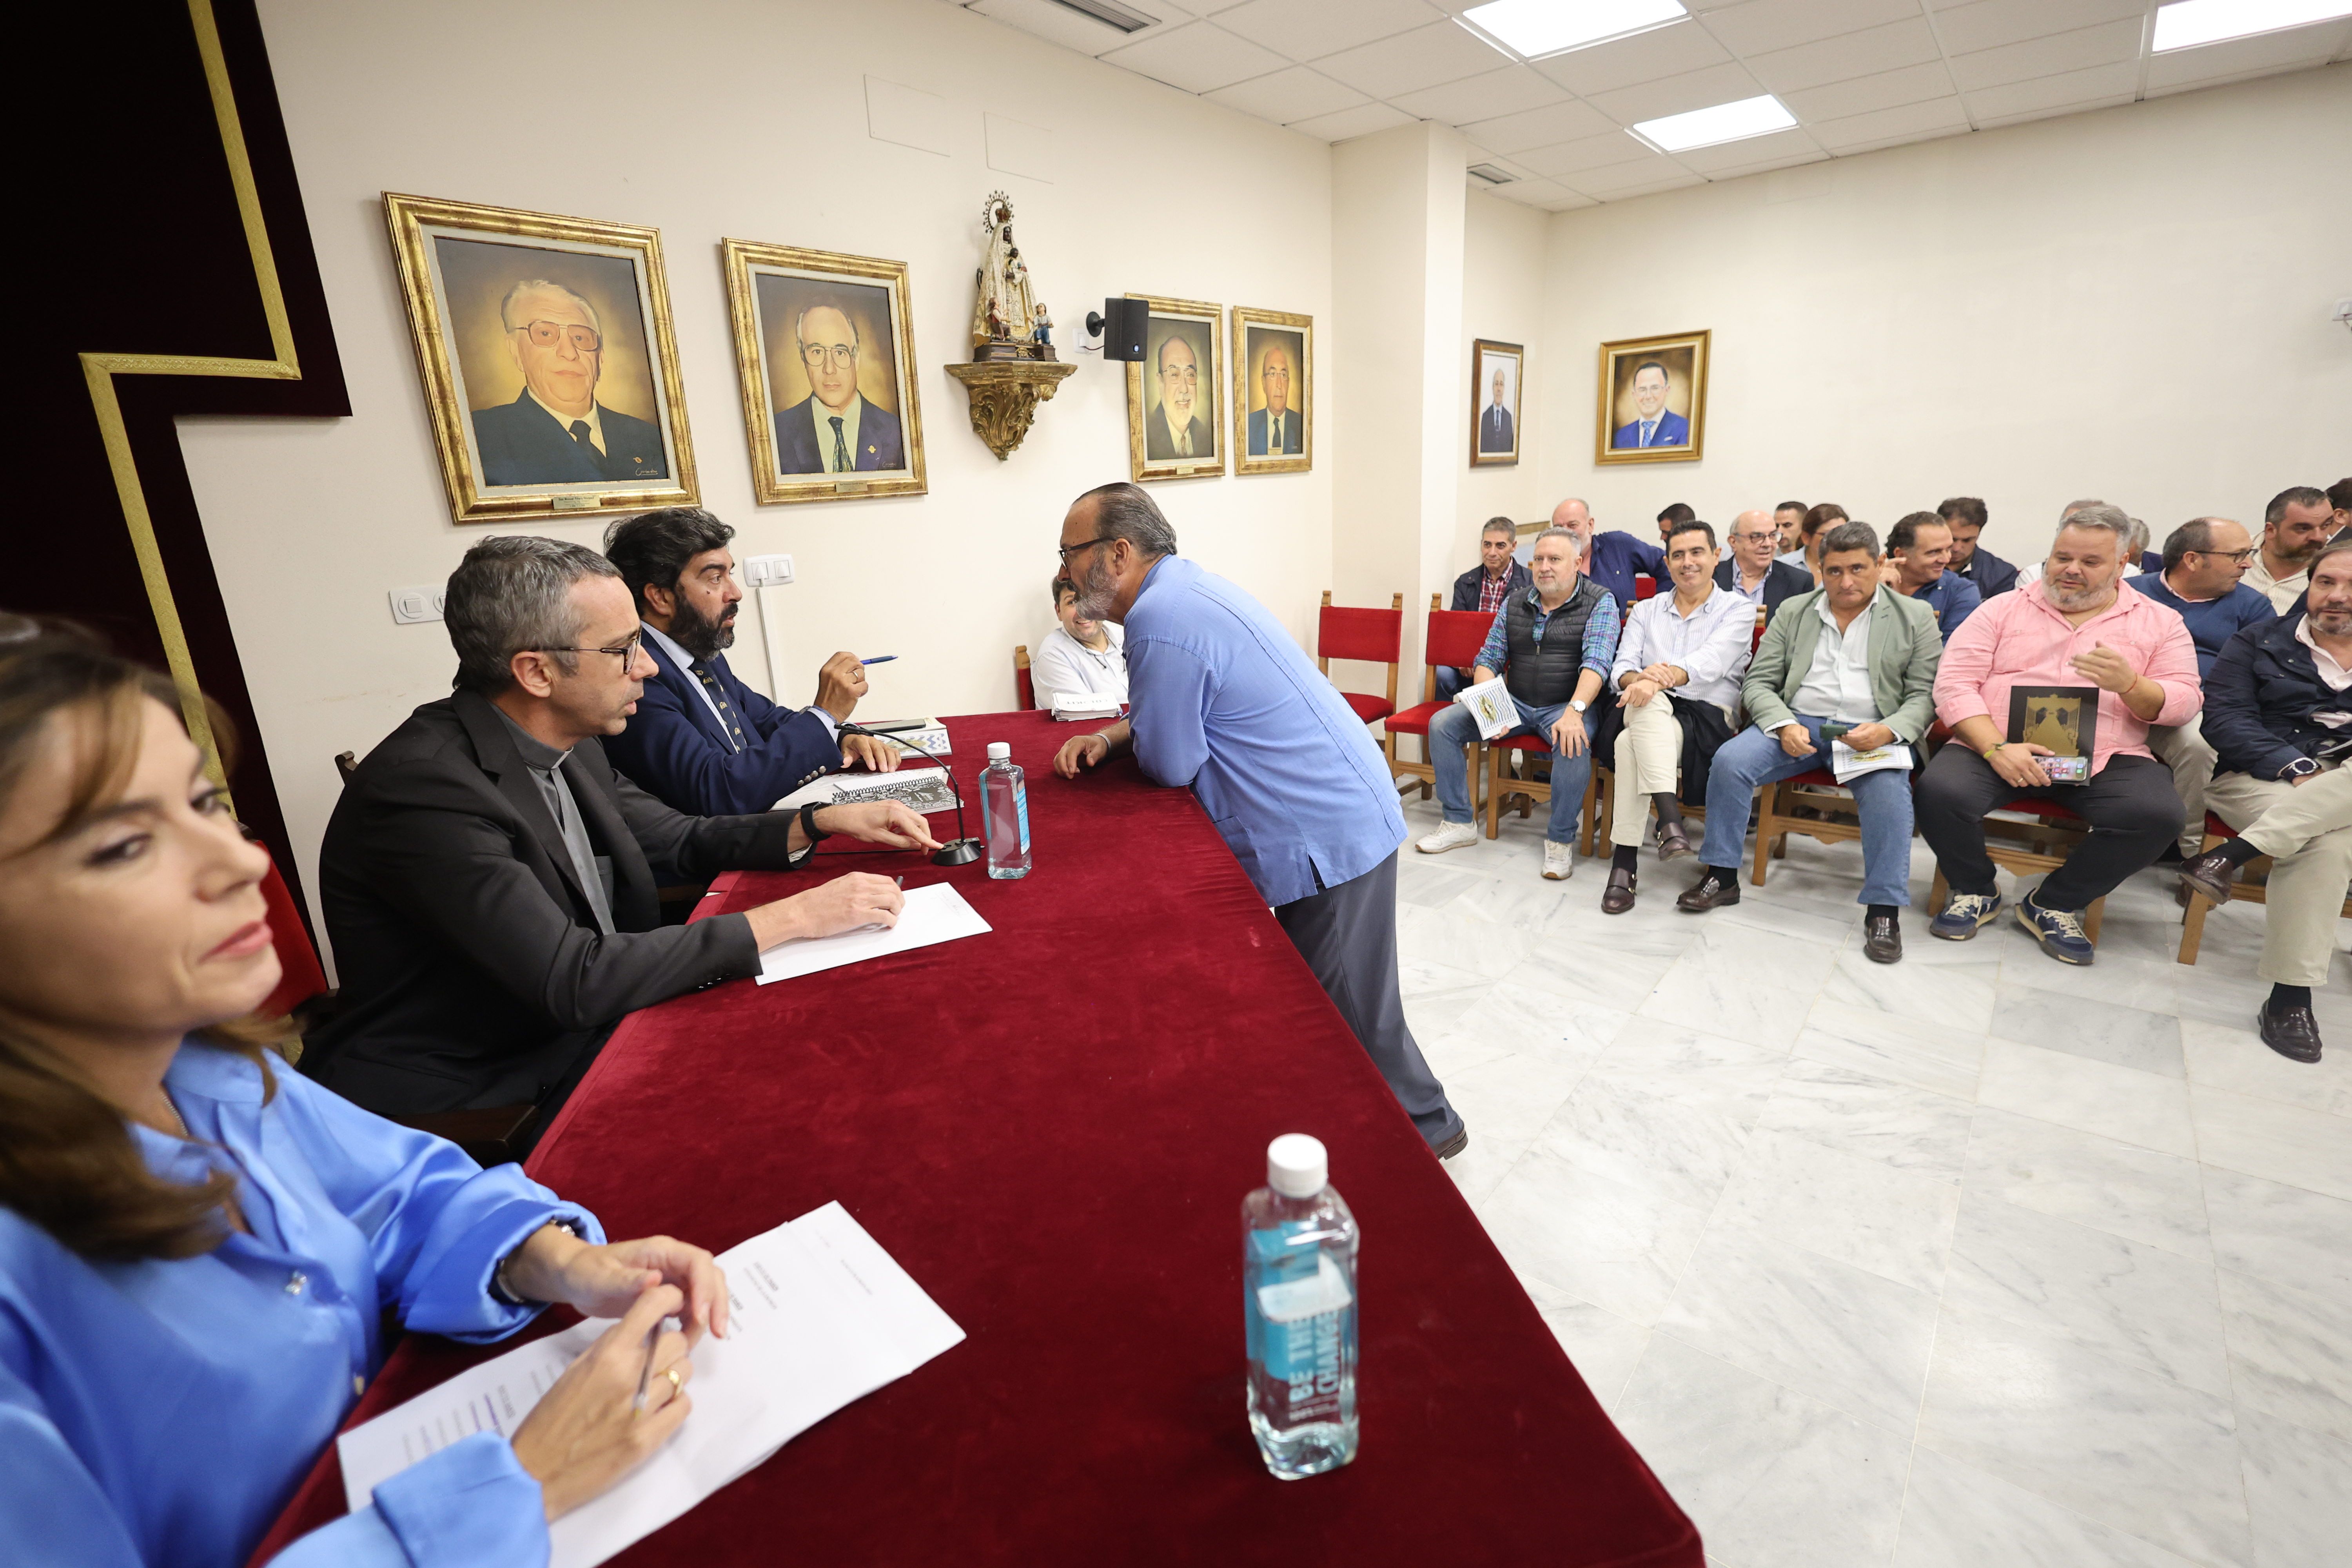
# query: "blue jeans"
{"points": [[1754, 757], [1450, 683], [1454, 729]]}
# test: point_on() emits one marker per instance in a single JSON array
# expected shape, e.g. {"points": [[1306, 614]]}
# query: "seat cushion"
{"points": [[1536, 743], [1414, 721], [1368, 706]]}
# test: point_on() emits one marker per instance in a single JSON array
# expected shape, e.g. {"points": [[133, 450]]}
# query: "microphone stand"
{"points": [[960, 850]]}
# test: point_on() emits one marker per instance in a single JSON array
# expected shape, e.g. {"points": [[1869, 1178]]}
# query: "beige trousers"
{"points": [[2182, 749], [1649, 758], [2307, 831]]}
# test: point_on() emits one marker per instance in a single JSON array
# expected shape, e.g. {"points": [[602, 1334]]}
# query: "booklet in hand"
{"points": [[1491, 705]]}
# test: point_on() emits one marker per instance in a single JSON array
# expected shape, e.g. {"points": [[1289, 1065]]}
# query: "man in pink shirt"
{"points": [[2070, 628]]}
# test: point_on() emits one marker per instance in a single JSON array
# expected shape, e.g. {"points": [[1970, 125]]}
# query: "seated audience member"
{"points": [[1677, 674], [1817, 518], [489, 881], [1551, 645], [1081, 659], [2278, 709], [700, 740], [199, 1249], [1614, 558], [2295, 525], [1918, 550], [1751, 572], [1674, 517], [2202, 564], [1497, 577], [1789, 516], [1857, 652], [2078, 628], [2131, 549], [1966, 517], [2340, 501], [2141, 556]]}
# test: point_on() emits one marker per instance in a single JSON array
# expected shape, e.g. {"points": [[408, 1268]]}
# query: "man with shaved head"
{"points": [[555, 432], [833, 429], [1750, 571], [1613, 558]]}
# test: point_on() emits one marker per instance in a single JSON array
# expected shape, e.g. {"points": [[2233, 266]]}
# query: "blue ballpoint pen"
{"points": [[884, 659]]}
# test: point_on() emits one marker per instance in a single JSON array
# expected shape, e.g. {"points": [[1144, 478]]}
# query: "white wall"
{"points": [[1503, 278], [744, 118], [2130, 303]]}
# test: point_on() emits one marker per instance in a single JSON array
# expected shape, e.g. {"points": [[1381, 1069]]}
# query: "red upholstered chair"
{"points": [[2026, 847], [2196, 905], [1373, 637], [299, 977], [1645, 586], [1024, 686], [1452, 641]]}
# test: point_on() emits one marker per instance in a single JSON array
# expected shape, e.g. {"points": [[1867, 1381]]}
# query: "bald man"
{"points": [[1748, 568], [1614, 558], [555, 432], [834, 430], [1174, 431], [1274, 430]]}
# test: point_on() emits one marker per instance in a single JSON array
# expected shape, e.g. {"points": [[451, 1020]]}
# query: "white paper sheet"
{"points": [[820, 1315], [1490, 703], [835, 787], [932, 914], [1846, 762]]}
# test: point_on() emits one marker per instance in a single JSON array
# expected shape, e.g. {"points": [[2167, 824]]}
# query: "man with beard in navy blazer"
{"points": [[555, 432], [833, 429]]}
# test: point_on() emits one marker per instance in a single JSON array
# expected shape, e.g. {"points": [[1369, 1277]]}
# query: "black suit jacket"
{"points": [[523, 444], [880, 442], [470, 960], [1780, 582], [1466, 586], [1159, 441], [1989, 573]]}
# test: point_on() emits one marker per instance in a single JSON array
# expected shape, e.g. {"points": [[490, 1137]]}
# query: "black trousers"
{"points": [[1347, 934], [2130, 804]]}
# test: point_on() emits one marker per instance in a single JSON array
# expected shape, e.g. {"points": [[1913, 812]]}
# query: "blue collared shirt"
{"points": [[165, 1410], [1226, 702], [1611, 559], [1953, 598], [1600, 636]]}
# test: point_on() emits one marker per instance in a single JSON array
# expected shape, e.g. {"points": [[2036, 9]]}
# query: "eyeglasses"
{"points": [[627, 652], [1068, 550], [1274, 373], [819, 353], [587, 340], [2235, 557], [1188, 374]]}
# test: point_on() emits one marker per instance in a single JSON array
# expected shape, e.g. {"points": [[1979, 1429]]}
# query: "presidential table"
{"points": [[1051, 1127]]}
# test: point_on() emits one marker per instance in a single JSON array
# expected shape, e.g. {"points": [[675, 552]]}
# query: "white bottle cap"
{"points": [[1296, 1165], [1000, 751]]}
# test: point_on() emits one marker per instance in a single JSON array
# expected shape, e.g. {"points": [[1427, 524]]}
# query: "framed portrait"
{"points": [[826, 350], [1495, 376], [1176, 394], [551, 374], [1653, 400], [1273, 398]]}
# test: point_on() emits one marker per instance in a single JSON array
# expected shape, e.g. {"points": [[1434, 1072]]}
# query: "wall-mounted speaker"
{"points": [[1120, 325]]}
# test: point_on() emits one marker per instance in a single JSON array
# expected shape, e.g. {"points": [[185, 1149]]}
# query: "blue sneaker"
{"points": [[2060, 932], [1964, 915]]}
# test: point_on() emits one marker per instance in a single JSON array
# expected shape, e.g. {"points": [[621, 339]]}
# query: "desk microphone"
{"points": [[959, 850]]}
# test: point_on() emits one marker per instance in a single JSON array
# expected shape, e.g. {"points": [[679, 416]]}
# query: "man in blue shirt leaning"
{"points": [[1225, 701], [1918, 553], [2203, 561], [1611, 559], [701, 742]]}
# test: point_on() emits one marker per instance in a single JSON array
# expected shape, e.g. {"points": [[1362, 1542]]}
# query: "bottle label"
{"points": [[1298, 1318], [1021, 810]]}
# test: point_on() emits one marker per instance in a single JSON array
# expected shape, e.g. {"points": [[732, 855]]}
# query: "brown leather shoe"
{"points": [[1618, 896], [1711, 891], [1881, 939], [1673, 844], [2210, 875], [2292, 1032]]}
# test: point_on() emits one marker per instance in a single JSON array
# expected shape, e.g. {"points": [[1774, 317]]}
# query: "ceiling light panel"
{"points": [[1535, 28], [1711, 126], [2188, 23]]}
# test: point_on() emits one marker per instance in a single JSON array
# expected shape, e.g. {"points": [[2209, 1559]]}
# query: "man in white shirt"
{"points": [[1694, 643], [1083, 660], [2296, 525]]}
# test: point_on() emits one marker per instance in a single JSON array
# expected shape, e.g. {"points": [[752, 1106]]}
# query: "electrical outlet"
{"points": [[767, 570], [411, 606]]}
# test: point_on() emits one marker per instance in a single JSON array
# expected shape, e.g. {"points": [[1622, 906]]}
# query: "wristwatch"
{"points": [[808, 824], [2300, 768], [1577, 704], [500, 1291]]}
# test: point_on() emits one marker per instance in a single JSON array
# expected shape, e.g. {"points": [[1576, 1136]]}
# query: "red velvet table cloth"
{"points": [[1051, 1127]]}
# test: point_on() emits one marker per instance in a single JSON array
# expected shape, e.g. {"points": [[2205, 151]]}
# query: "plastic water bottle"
{"points": [[1005, 812], [1298, 1303]]}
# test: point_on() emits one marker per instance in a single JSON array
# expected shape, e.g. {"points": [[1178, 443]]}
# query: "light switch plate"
{"points": [[767, 570], [411, 606]]}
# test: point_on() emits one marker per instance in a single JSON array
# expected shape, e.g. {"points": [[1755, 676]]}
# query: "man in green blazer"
{"points": [[1851, 653]]}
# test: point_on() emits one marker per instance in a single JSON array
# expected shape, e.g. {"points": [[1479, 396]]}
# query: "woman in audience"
{"points": [[1082, 661], [196, 1250]]}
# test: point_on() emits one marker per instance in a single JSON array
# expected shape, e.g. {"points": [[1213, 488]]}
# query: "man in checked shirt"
{"points": [[1483, 588]]}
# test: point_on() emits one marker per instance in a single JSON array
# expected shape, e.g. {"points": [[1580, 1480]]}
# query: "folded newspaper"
{"points": [[1069, 706], [1491, 705]]}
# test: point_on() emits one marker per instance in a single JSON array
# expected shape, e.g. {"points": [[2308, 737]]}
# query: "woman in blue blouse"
{"points": [[195, 1250]]}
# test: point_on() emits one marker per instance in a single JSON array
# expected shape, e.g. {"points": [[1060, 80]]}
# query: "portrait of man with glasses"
{"points": [[557, 431], [835, 430], [1174, 429]]}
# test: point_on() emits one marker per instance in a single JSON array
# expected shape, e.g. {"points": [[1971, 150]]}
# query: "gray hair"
{"points": [[837, 309], [1576, 544], [2074, 505], [2099, 514], [1499, 525], [533, 284], [510, 594], [2138, 539], [1850, 536], [1123, 510]]}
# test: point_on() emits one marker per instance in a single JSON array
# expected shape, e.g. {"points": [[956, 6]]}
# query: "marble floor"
{"points": [[1973, 1261]]}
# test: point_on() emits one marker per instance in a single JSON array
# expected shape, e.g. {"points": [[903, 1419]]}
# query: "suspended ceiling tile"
{"points": [[1486, 96], [1864, 94], [1349, 123], [2053, 94], [2109, 43], [1526, 193], [1304, 30], [1674, 183], [1782, 146], [1570, 159], [1643, 174], [2245, 56], [1199, 58], [1897, 121], [1567, 201], [2053, 111], [1628, 62], [1291, 94], [1851, 55], [1539, 127], [1762, 26], [1426, 57], [1677, 94], [1075, 30], [1979, 25], [1937, 134]]}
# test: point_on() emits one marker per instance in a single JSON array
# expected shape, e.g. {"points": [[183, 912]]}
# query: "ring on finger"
{"points": [[676, 1384]]}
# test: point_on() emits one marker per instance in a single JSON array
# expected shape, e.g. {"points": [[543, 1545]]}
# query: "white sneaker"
{"points": [[1449, 835], [1559, 861]]}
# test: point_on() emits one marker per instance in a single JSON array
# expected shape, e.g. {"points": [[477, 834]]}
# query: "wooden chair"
{"points": [[1025, 685], [2025, 848], [1373, 637], [1452, 641], [1510, 775], [1776, 818], [2196, 905]]}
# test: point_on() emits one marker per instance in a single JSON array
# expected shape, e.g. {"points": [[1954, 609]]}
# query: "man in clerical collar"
{"points": [[555, 432], [833, 429]]}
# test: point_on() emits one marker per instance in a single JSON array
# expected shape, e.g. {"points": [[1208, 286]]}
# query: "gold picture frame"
{"points": [[1497, 388], [770, 291], [1678, 432], [506, 452], [1259, 380], [1199, 327]]}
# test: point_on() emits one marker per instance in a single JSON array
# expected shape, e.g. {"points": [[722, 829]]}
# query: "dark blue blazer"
{"points": [[879, 443], [522, 444], [674, 750], [1780, 582], [1674, 430], [1466, 587], [1989, 573], [1290, 432], [1495, 429], [2260, 698]]}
